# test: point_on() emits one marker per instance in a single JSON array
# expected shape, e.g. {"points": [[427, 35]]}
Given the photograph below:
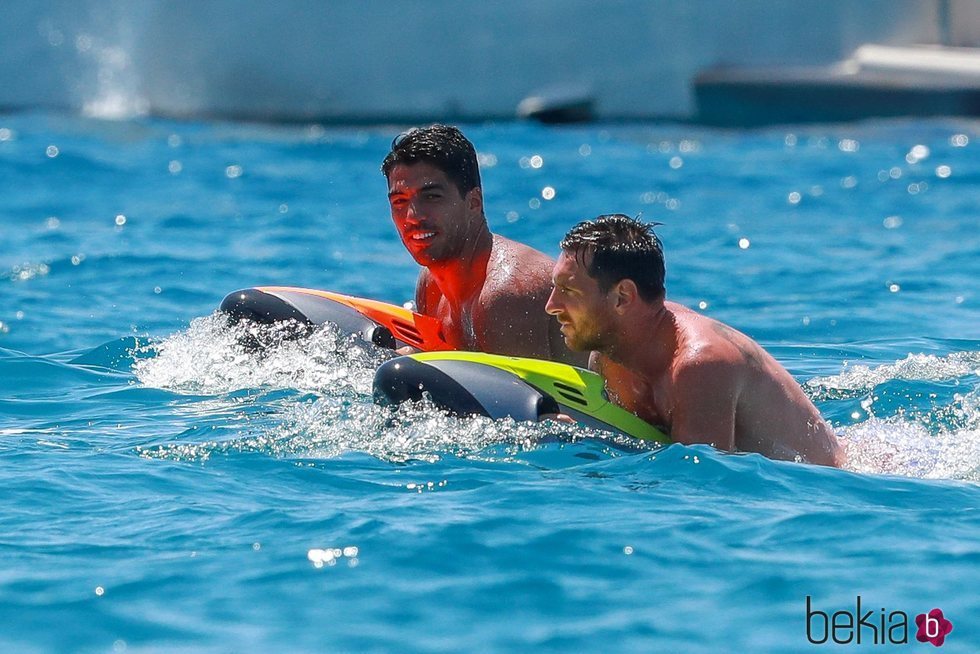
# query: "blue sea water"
{"points": [[165, 491]]}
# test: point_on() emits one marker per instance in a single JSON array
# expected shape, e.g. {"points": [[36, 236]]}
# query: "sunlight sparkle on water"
{"points": [[321, 557], [535, 161], [916, 154], [689, 145]]}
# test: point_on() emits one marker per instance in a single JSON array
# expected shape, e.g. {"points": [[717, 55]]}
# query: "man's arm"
{"points": [[421, 305], [421, 292], [704, 395]]}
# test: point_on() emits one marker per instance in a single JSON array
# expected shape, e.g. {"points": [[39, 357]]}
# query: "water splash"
{"points": [[209, 358], [859, 379], [108, 43], [331, 427], [424, 432], [918, 422], [311, 398], [897, 447]]}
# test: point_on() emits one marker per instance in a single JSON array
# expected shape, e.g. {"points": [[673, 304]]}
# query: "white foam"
{"points": [[896, 445], [915, 367], [331, 426], [419, 432], [208, 359]]}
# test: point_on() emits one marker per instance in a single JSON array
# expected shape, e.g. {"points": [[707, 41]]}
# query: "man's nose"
{"points": [[551, 306], [412, 212]]}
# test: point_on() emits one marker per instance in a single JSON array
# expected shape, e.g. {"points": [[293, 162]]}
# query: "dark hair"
{"points": [[442, 146], [621, 248]]}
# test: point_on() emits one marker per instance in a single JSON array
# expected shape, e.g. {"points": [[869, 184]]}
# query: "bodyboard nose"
{"points": [[306, 311], [462, 388]]}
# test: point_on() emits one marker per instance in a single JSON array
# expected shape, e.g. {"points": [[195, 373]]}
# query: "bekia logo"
{"points": [[873, 627], [933, 627]]}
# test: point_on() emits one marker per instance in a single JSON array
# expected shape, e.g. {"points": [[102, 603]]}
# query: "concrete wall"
{"points": [[423, 59]]}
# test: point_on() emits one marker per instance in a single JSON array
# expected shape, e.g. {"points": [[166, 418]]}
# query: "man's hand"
{"points": [[560, 417]]}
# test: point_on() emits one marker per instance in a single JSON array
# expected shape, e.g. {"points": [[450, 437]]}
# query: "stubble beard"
{"points": [[587, 341]]}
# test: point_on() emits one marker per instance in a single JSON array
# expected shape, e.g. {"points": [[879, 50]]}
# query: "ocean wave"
{"points": [[859, 379]]}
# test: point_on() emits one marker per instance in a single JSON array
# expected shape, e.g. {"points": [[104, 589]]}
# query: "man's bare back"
{"points": [[716, 371]]}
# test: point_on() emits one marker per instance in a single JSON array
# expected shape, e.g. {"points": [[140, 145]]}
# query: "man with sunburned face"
{"points": [[487, 291]]}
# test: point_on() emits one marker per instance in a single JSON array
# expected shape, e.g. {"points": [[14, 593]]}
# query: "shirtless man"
{"points": [[702, 381], [486, 290]]}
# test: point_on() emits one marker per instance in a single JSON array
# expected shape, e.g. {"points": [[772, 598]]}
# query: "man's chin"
{"points": [[422, 256], [574, 345]]}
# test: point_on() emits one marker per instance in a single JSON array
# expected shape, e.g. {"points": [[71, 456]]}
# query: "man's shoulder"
{"points": [[708, 358], [518, 271], [704, 339], [705, 350], [508, 292], [525, 254]]}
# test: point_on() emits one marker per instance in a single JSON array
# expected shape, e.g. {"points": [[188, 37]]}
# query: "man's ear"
{"points": [[625, 294], [474, 199]]}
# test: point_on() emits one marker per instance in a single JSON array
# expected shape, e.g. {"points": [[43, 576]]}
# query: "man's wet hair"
{"points": [[442, 146], [614, 247]]}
